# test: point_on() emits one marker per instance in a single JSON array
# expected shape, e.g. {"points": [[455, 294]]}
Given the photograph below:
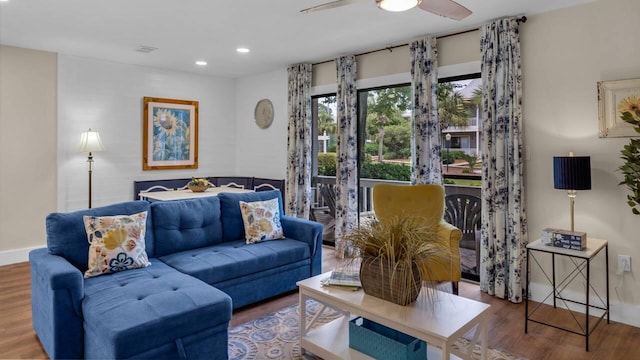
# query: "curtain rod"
{"points": [[522, 19]]}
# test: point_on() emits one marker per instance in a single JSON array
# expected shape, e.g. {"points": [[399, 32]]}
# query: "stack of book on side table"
{"points": [[348, 279]]}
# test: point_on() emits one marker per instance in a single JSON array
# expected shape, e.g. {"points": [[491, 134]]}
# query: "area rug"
{"points": [[275, 337]]}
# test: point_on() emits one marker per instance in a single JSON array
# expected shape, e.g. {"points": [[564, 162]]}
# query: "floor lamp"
{"points": [[90, 142]]}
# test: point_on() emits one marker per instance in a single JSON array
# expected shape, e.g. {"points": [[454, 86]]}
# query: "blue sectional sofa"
{"points": [[179, 307]]}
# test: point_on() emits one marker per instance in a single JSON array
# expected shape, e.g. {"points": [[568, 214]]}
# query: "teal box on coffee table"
{"points": [[384, 343]]}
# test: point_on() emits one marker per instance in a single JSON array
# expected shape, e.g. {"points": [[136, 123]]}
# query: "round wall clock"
{"points": [[264, 113]]}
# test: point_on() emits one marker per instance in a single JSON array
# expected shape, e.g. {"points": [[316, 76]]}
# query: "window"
{"points": [[323, 109], [384, 129], [384, 146], [459, 102]]}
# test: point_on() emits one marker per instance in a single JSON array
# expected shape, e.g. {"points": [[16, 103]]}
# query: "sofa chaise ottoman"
{"points": [[199, 266]]}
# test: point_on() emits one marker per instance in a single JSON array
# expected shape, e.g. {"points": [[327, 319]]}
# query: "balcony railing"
{"points": [[365, 203], [469, 260]]}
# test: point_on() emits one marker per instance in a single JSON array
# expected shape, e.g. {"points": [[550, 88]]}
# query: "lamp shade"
{"points": [[572, 172], [397, 5], [90, 142]]}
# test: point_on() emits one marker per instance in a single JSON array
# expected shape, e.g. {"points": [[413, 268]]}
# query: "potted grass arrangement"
{"points": [[395, 256]]}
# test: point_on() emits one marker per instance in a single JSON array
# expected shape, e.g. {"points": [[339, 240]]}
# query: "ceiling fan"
{"points": [[446, 8]]}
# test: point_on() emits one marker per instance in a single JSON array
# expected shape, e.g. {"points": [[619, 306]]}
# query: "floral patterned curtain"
{"points": [[298, 185], [425, 142], [347, 152], [504, 224]]}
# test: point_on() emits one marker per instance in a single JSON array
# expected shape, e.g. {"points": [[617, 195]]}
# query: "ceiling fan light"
{"points": [[397, 5]]}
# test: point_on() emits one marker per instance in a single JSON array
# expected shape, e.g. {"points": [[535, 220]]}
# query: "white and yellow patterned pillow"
{"points": [[117, 243], [261, 220]]}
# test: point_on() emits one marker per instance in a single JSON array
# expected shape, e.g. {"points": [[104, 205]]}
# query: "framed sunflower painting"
{"points": [[614, 99], [170, 134]]}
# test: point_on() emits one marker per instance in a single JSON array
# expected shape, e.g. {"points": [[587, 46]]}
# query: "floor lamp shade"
{"points": [[90, 142], [572, 172]]}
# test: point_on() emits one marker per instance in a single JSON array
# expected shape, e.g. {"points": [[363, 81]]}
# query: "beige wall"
{"points": [[27, 146], [452, 50], [564, 54]]}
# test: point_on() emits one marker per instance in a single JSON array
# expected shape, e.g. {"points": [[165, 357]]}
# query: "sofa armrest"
{"points": [[57, 289], [309, 232]]}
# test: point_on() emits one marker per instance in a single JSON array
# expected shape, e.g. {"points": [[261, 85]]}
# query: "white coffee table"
{"points": [[440, 321]]}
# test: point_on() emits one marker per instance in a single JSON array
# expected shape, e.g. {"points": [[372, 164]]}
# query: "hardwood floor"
{"points": [[506, 324]]}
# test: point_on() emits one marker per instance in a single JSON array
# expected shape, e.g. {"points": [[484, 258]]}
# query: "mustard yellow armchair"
{"points": [[391, 200]]}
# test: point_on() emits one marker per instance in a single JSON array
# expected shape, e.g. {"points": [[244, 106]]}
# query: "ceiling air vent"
{"points": [[146, 49]]}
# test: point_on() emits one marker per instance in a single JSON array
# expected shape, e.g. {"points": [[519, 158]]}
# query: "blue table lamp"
{"points": [[572, 173]]}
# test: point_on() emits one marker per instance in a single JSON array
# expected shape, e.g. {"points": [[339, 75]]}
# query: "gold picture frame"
{"points": [[170, 134], [612, 97]]}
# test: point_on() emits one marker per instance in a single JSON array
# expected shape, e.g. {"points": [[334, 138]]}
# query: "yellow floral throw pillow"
{"points": [[117, 243], [261, 220]]}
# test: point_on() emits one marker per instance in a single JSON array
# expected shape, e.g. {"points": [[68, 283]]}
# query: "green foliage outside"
{"points": [[326, 122], [327, 164], [371, 149], [389, 133], [451, 108], [447, 157], [369, 170], [466, 182], [471, 160], [450, 156], [396, 139], [384, 109], [385, 171]]}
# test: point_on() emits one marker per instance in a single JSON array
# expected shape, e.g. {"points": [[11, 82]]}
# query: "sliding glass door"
{"points": [[384, 148]]}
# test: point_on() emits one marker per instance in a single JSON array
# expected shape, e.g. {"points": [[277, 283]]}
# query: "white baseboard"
{"points": [[16, 256], [620, 312]]}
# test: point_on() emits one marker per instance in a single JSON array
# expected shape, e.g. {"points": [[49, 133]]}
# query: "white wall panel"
{"points": [[262, 152], [107, 97]]}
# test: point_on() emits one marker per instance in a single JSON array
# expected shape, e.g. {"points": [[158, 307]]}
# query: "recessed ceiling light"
{"points": [[4, 0], [201, 63], [146, 49], [242, 50]]}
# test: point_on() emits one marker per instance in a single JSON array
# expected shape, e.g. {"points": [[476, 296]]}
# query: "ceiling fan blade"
{"points": [[447, 8], [329, 5]]}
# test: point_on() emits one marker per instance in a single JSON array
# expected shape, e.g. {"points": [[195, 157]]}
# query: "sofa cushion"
{"points": [[232, 224], [186, 224], [117, 243], [130, 312], [67, 237], [234, 259], [261, 220]]}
